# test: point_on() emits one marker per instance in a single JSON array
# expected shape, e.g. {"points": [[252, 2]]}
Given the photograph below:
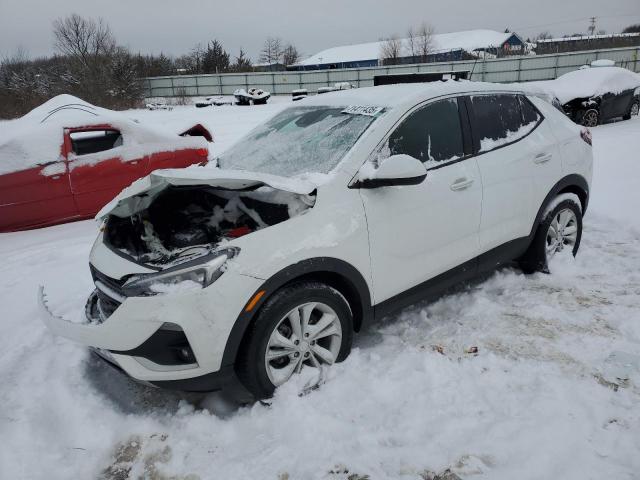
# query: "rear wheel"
{"points": [[589, 118], [558, 234], [633, 111], [305, 325]]}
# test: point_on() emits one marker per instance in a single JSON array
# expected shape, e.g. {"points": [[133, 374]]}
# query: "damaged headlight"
{"points": [[195, 274]]}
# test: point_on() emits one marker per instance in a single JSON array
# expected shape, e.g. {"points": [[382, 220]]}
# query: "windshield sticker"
{"points": [[369, 111]]}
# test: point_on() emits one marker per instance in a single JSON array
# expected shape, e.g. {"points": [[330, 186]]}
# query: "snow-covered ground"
{"points": [[539, 400]]}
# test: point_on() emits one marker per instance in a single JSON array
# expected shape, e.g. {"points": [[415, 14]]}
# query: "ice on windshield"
{"points": [[298, 140]]}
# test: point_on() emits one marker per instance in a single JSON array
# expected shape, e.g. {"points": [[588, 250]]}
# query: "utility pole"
{"points": [[592, 26]]}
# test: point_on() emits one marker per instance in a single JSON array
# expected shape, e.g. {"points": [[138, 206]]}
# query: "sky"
{"points": [[174, 27]]}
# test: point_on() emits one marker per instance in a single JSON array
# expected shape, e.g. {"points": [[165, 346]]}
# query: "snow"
{"points": [[603, 63], [37, 137], [487, 144], [536, 401], [587, 82], [469, 40]]}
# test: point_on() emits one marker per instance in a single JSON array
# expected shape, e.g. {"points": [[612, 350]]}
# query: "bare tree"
{"points": [[412, 42], [290, 55], [544, 36], [85, 40], [424, 39], [271, 52], [632, 29], [391, 51]]}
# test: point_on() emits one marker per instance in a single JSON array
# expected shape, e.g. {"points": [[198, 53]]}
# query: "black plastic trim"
{"points": [[209, 382], [388, 182], [162, 348], [572, 180]]}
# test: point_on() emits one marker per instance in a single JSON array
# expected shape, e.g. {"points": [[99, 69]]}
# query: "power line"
{"points": [[575, 20]]}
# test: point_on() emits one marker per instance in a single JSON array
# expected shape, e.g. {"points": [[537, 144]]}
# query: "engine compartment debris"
{"points": [[186, 222]]}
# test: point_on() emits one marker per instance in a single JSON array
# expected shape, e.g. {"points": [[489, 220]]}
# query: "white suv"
{"points": [[336, 212]]}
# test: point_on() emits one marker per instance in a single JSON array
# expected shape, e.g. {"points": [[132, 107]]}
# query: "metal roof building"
{"points": [[444, 47]]}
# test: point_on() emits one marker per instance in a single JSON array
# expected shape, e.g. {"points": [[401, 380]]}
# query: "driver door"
{"points": [[417, 232]]}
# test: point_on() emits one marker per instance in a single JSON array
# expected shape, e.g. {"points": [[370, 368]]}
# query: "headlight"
{"points": [[195, 274]]}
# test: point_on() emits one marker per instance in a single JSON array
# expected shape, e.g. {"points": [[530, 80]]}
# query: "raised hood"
{"points": [[141, 193]]}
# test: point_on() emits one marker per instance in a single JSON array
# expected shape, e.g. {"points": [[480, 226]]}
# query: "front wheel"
{"points": [[589, 118], [305, 325], [558, 234]]}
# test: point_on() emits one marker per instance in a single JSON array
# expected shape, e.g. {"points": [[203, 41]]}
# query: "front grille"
{"points": [[106, 304]]}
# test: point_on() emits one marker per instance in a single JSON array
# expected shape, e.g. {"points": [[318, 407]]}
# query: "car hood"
{"points": [[141, 193]]}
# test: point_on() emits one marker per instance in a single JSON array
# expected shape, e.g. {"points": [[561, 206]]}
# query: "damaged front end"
{"points": [[174, 224]]}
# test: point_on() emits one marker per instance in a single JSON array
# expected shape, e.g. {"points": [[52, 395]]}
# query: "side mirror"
{"points": [[396, 170]]}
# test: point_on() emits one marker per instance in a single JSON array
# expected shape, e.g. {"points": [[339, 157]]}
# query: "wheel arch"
{"points": [[573, 183], [336, 273]]}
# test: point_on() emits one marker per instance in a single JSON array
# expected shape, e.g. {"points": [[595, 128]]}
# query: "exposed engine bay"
{"points": [[186, 222]]}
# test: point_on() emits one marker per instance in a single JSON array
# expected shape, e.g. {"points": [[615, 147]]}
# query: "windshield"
{"points": [[299, 140]]}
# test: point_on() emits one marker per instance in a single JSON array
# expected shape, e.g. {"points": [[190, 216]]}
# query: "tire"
{"points": [[261, 376], [589, 117], [538, 256], [633, 110]]}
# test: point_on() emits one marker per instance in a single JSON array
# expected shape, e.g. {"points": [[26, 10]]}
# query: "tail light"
{"points": [[203, 152], [585, 134]]}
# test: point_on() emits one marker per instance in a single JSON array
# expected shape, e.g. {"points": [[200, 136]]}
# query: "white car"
{"points": [[334, 213]]}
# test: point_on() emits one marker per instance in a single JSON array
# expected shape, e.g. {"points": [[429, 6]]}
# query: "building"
{"points": [[445, 47], [578, 43]]}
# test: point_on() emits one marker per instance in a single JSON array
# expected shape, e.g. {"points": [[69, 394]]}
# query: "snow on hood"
{"points": [[37, 137], [586, 83], [141, 193]]}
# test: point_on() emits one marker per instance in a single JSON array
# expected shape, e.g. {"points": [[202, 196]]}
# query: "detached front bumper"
{"points": [[174, 341]]}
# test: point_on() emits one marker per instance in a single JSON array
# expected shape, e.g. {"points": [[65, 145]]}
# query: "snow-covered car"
{"points": [[66, 159], [255, 96], [334, 213], [590, 96]]}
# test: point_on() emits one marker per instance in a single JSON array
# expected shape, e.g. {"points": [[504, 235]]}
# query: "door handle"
{"points": [[461, 184], [542, 158], [56, 177]]}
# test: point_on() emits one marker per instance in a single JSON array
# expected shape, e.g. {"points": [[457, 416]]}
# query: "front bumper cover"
{"points": [[204, 321]]}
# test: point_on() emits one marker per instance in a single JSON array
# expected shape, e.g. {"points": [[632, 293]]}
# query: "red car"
{"points": [[66, 159]]}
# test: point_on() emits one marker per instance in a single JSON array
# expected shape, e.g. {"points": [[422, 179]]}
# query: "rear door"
{"points": [[100, 166], [417, 232], [516, 160]]}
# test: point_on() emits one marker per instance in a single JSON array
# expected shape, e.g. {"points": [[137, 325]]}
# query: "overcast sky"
{"points": [[173, 27]]}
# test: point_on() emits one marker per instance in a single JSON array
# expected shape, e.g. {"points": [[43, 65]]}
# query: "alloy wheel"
{"points": [[562, 233], [590, 118], [309, 335], [635, 108]]}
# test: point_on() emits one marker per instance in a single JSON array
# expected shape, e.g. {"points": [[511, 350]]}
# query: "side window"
{"points": [[431, 134], [499, 120], [93, 141], [529, 112]]}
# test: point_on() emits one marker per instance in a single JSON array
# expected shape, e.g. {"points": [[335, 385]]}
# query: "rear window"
{"points": [[502, 119]]}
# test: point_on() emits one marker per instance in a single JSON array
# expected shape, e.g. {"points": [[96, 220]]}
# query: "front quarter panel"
{"points": [[335, 227]]}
